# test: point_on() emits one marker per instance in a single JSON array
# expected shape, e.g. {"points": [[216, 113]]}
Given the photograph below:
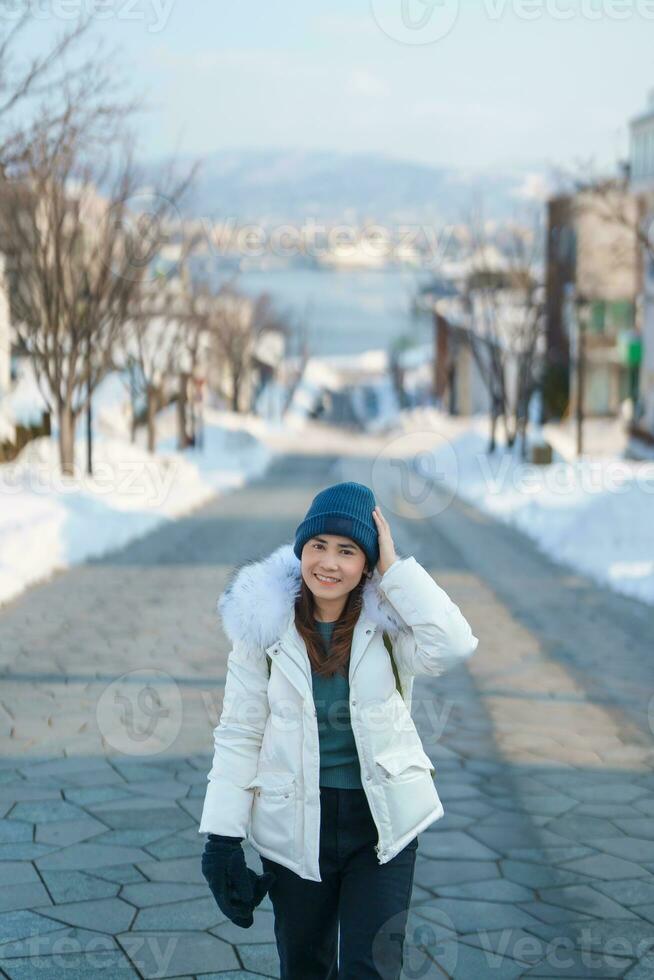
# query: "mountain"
{"points": [[293, 185]]}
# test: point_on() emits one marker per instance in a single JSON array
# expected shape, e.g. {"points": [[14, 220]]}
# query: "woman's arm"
{"points": [[237, 741], [438, 636]]}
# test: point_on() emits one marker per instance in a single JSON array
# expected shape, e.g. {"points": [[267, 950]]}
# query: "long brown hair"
{"points": [[339, 655]]}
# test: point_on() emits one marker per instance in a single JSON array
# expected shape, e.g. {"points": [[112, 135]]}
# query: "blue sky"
{"points": [[528, 83]]}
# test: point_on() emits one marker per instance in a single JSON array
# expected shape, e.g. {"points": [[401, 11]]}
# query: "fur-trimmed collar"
{"points": [[258, 602]]}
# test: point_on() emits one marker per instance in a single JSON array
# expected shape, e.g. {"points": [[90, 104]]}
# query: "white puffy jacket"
{"points": [[264, 781]]}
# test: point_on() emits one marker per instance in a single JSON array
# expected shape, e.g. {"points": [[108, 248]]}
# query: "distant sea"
{"points": [[345, 311]]}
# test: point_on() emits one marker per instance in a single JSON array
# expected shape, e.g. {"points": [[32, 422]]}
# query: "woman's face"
{"points": [[334, 557]]}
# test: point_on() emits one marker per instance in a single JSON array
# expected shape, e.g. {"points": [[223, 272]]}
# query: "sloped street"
{"points": [[543, 865]]}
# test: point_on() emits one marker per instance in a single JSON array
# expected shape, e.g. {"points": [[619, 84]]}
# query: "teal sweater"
{"points": [[339, 760]]}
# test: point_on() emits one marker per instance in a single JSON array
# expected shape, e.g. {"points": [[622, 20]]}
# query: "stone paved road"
{"points": [[544, 863]]}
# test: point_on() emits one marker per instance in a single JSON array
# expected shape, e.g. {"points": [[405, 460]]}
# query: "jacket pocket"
{"points": [[407, 782], [273, 817], [403, 765]]}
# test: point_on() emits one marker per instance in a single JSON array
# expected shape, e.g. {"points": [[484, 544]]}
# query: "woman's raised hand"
{"points": [[386, 547]]}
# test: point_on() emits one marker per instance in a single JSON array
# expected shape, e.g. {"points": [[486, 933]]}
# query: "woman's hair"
{"points": [[339, 654]]}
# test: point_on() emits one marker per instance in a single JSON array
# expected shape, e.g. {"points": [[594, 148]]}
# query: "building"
{"points": [[641, 169], [592, 285]]}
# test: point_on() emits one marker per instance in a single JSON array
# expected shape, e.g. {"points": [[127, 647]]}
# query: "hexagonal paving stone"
{"points": [[432, 874], [84, 857], [20, 872], [65, 832], [198, 914], [469, 915], [188, 870], [45, 812], [457, 845], [496, 890], [606, 868], [123, 874], [25, 851], [22, 923], [76, 886], [261, 930], [135, 838], [108, 915], [175, 846], [643, 970], [72, 966], [15, 830], [536, 875], [95, 794], [574, 964], [260, 958], [516, 944], [161, 892], [636, 849], [463, 962], [628, 892], [545, 912], [169, 954], [582, 898], [61, 940], [23, 896]]}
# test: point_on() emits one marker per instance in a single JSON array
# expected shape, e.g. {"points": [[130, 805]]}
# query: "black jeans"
{"points": [[368, 900]]}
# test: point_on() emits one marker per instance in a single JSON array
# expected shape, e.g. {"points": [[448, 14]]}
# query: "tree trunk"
{"points": [[508, 430], [132, 421], [66, 439], [182, 410], [492, 442], [152, 396]]}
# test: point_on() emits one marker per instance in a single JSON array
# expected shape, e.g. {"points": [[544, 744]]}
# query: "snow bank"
{"points": [[595, 515], [49, 522]]}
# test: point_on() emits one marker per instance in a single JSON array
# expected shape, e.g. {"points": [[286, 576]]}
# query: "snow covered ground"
{"points": [[49, 522], [595, 515]]}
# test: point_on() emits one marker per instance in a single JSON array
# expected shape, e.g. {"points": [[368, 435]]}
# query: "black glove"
{"points": [[236, 888]]}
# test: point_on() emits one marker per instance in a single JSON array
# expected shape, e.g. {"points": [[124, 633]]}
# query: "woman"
{"points": [[317, 759]]}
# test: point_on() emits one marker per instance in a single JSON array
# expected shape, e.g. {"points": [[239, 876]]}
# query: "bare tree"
{"points": [[236, 323], [75, 258], [153, 343], [32, 84], [297, 327], [505, 303]]}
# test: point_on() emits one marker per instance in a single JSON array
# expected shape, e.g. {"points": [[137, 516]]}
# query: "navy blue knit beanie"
{"points": [[345, 508]]}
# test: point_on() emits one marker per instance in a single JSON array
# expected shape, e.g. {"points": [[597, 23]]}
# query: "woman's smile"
{"points": [[326, 580]]}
